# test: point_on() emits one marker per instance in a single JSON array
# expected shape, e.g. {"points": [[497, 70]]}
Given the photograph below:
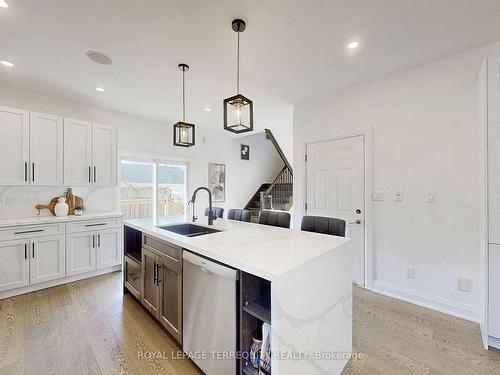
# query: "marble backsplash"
{"points": [[20, 201]]}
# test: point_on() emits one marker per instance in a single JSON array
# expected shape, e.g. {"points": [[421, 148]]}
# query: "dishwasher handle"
{"points": [[210, 267]]}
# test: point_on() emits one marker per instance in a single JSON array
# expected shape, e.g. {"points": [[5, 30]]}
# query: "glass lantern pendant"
{"points": [[183, 131], [238, 110]]}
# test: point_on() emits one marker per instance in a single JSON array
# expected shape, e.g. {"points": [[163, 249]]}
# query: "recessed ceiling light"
{"points": [[7, 63], [99, 58], [353, 45], [100, 89], [3, 4], [208, 109]]}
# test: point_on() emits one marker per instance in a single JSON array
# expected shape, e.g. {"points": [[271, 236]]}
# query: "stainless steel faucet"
{"points": [[211, 216]]}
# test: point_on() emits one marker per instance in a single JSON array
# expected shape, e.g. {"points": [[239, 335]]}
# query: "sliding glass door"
{"points": [[153, 188]]}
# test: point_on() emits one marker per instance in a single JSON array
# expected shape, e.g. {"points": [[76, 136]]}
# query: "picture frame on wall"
{"points": [[245, 152], [217, 181]]}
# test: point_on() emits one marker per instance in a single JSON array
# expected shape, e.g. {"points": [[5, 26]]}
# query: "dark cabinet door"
{"points": [[171, 299], [151, 295]]}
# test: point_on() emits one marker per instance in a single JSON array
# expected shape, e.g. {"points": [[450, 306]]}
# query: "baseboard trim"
{"points": [[61, 281], [494, 342], [430, 301]]}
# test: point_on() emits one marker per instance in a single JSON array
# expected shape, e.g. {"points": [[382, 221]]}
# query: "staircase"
{"points": [[277, 195], [254, 203]]}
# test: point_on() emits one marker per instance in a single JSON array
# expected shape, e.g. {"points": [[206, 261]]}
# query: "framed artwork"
{"points": [[217, 181], [245, 152]]}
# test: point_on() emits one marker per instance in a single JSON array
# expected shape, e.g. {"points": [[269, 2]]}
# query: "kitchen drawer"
{"points": [[93, 225], [133, 277], [167, 250], [31, 231]]}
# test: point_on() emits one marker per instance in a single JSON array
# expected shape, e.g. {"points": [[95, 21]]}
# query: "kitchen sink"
{"points": [[189, 230]]}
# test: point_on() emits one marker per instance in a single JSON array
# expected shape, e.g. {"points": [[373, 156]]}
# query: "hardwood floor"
{"points": [[89, 327]]}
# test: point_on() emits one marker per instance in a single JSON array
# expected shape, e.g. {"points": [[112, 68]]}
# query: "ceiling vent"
{"points": [[99, 58]]}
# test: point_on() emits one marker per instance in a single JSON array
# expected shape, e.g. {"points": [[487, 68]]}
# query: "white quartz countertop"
{"points": [[54, 219], [261, 250]]}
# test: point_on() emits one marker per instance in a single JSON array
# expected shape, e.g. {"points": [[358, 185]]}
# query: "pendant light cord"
{"points": [[183, 96], [238, 66]]}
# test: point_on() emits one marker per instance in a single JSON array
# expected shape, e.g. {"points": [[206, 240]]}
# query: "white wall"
{"points": [[425, 138], [141, 136]]}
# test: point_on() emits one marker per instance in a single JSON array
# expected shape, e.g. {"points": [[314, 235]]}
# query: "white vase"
{"points": [[62, 207]]}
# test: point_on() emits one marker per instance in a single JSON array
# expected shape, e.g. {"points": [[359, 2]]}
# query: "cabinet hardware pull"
{"points": [[90, 173], [33, 246], [132, 276], [25, 251], [154, 273], [25, 171], [95, 175], [29, 231], [33, 171], [98, 240], [158, 281], [95, 225], [93, 241]]}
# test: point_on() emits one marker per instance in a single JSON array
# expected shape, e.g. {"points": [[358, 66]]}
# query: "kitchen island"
{"points": [[310, 283]]}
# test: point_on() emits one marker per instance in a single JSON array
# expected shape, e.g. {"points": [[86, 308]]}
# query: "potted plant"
{"points": [[79, 210]]}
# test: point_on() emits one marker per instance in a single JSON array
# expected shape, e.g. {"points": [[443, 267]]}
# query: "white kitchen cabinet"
{"points": [[14, 264], [104, 155], [14, 153], [46, 150], [77, 153], [109, 249], [494, 291], [80, 253], [47, 259]]}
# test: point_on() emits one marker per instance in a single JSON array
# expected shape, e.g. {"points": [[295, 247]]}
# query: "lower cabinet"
{"points": [[47, 260], [26, 262], [80, 253], [162, 291], [14, 264], [90, 251]]}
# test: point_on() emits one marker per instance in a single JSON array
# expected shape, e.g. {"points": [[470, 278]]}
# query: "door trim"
{"points": [[367, 137]]}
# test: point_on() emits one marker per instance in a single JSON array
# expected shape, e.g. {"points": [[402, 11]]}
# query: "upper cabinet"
{"points": [[77, 153], [14, 153], [104, 155], [89, 154], [46, 149]]}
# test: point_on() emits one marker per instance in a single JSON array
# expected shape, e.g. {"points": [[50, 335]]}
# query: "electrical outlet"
{"points": [[431, 197], [464, 285], [410, 273], [8, 200], [398, 196]]}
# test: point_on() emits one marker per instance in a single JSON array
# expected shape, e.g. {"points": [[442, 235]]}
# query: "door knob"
{"points": [[356, 222], [358, 211]]}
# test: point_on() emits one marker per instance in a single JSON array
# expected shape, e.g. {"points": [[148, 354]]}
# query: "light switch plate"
{"points": [[377, 196], [410, 273], [431, 197], [398, 196]]}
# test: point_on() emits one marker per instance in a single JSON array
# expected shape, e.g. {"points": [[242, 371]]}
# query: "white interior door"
{"points": [[336, 188], [104, 154], [46, 149], [77, 152], [47, 259], [14, 153]]}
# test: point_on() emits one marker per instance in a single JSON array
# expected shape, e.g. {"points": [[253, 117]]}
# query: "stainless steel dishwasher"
{"points": [[209, 314]]}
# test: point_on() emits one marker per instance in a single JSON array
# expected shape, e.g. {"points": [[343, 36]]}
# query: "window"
{"points": [[171, 190], [152, 188]]}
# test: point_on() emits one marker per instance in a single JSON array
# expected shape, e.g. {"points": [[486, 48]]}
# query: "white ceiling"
{"points": [[292, 49]]}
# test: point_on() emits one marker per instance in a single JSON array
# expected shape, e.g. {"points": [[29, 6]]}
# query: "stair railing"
{"points": [[277, 196]]}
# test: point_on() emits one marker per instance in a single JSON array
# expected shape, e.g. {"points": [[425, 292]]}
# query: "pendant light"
{"points": [[183, 131], [238, 110]]}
